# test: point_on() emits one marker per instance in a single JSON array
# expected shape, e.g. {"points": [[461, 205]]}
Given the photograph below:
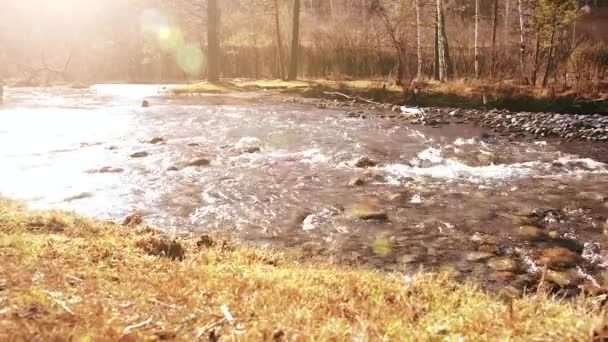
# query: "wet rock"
{"points": [[171, 249], [157, 140], [570, 244], [559, 257], [531, 233], [133, 220], [198, 162], [145, 103], [486, 159], [80, 196], [502, 276], [356, 181], [400, 197], [374, 176], [564, 279], [365, 162], [251, 149], [366, 213], [106, 169], [503, 264], [407, 259], [142, 154], [478, 256], [483, 239]]}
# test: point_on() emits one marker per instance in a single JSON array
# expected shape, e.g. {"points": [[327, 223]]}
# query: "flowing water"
{"points": [[454, 197]]}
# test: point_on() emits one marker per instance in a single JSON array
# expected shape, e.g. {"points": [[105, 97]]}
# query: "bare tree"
{"points": [[418, 41], [279, 41], [477, 71], [494, 32], [443, 54], [213, 72], [523, 49], [295, 42]]}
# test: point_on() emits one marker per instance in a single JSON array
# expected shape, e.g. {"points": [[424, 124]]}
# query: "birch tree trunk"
{"points": [[477, 72], [418, 40], [523, 50]]}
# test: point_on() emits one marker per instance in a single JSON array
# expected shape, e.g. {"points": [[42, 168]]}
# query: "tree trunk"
{"points": [[436, 55], [494, 30], [279, 43], [418, 41], [442, 43], [536, 57], [295, 42], [507, 24], [213, 71], [550, 58], [522, 39], [477, 72]]}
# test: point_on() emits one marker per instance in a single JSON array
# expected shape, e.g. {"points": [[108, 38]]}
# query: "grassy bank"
{"points": [[65, 277], [458, 93]]}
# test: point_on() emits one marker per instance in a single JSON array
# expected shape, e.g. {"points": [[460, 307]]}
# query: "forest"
{"points": [[547, 42]]}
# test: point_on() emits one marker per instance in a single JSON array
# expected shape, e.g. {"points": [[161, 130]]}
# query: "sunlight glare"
{"points": [[190, 59]]}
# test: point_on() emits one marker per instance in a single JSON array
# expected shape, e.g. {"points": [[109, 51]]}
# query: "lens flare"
{"points": [[190, 59], [170, 39]]}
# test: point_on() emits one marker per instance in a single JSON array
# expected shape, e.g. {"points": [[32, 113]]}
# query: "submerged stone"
{"points": [[559, 257], [198, 162], [365, 162], [356, 181], [478, 256], [531, 233], [157, 140], [366, 212], [140, 154], [503, 264], [564, 279]]}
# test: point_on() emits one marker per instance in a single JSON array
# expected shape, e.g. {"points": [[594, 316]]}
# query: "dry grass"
{"points": [[64, 277], [238, 85]]}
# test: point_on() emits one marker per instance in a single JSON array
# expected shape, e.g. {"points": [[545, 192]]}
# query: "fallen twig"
{"points": [[351, 97], [137, 326], [210, 326], [227, 314], [60, 302]]}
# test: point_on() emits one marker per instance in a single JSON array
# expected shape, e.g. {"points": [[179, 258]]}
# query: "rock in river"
{"points": [[143, 154], [503, 264], [356, 181], [366, 212], [531, 233], [198, 162], [559, 257], [157, 140], [479, 256], [365, 162]]}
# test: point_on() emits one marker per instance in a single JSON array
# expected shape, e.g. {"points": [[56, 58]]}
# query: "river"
{"points": [[283, 175]]}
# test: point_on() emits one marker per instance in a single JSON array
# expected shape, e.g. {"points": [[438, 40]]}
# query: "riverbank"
{"points": [[469, 94], [67, 276]]}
